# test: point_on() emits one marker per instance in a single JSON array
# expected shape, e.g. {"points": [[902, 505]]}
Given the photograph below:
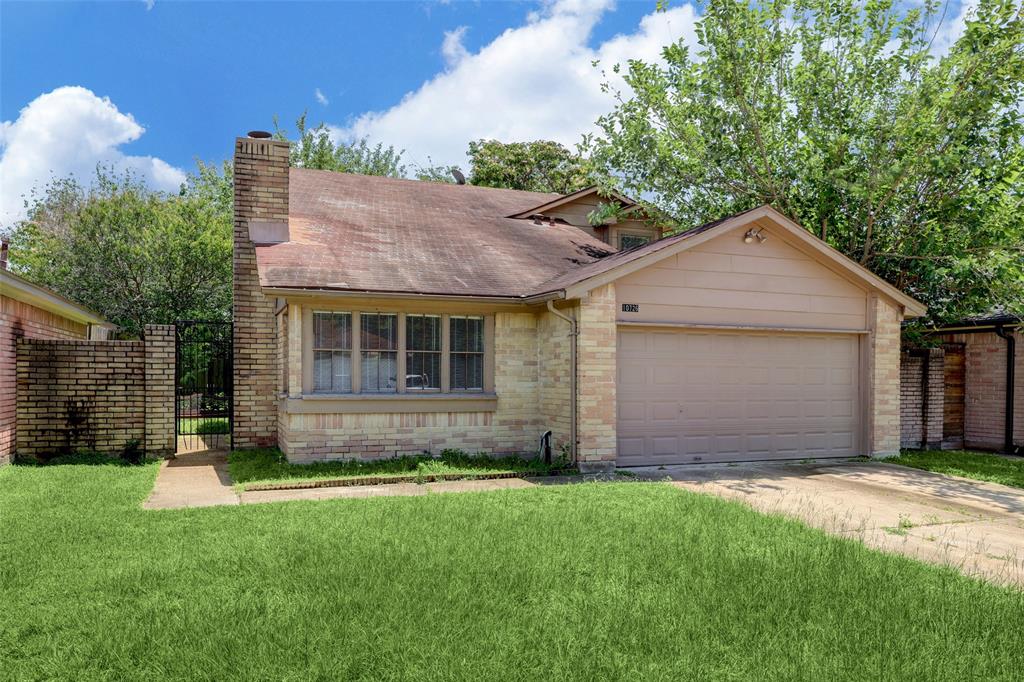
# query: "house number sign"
{"points": [[630, 307]]}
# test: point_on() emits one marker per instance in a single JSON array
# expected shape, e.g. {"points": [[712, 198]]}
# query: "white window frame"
{"points": [[335, 350], [356, 352]]}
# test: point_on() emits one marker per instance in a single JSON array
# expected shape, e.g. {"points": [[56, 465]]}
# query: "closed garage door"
{"points": [[688, 396]]}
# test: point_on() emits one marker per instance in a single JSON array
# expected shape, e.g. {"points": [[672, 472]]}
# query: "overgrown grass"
{"points": [[250, 467], [977, 465], [580, 582]]}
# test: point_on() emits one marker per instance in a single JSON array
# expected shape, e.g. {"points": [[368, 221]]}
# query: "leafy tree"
{"points": [[838, 113], [314, 148], [436, 173], [134, 255], [540, 166]]}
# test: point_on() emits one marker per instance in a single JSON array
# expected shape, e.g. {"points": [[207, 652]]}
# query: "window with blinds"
{"points": [[467, 353], [378, 347], [332, 352], [422, 353]]}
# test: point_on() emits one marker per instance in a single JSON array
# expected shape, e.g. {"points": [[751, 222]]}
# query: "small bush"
{"points": [[132, 452], [80, 458]]}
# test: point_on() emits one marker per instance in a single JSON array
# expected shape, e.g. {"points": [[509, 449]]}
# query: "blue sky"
{"points": [[192, 75], [196, 73], [153, 86]]}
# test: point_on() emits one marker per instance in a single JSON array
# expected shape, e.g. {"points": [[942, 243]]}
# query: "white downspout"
{"points": [[573, 335]]}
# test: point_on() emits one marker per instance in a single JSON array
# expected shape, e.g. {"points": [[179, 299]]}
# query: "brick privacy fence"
{"points": [[922, 398], [96, 395]]}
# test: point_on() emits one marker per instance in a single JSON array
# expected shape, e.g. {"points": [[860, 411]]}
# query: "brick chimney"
{"points": [[261, 204]]}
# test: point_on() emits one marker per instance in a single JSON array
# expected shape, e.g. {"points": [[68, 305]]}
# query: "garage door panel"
{"points": [[736, 396], [664, 411], [631, 447], [666, 375], [632, 411]]}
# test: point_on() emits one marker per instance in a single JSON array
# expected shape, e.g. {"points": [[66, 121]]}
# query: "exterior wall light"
{"points": [[755, 233]]}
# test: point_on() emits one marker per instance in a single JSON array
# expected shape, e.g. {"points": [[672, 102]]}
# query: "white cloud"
{"points": [[321, 97], [950, 30], [452, 48], [149, 4], [68, 132], [535, 81]]}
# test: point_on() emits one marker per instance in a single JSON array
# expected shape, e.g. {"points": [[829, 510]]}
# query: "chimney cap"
{"points": [[259, 134]]}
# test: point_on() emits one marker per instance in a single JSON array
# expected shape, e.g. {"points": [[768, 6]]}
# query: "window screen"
{"points": [[467, 353], [332, 352], [378, 347], [423, 352], [630, 241]]}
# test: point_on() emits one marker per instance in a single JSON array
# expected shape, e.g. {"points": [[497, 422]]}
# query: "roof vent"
{"points": [[259, 134], [460, 179]]}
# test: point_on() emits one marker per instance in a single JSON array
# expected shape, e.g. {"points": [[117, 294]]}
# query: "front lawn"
{"points": [[977, 465], [585, 582], [203, 425], [267, 466]]}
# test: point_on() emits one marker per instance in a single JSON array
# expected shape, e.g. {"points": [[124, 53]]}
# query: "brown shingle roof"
{"points": [[366, 233]]}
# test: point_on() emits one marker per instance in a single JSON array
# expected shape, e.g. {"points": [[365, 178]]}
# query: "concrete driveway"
{"points": [[975, 527]]}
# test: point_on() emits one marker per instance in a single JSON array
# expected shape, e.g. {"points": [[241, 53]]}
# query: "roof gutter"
{"points": [[1011, 361], [292, 292], [573, 365], [971, 329]]}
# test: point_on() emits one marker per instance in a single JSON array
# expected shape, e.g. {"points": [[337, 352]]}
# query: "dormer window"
{"points": [[631, 241]]}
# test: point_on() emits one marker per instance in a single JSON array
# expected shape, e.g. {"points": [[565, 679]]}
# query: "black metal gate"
{"points": [[202, 379]]}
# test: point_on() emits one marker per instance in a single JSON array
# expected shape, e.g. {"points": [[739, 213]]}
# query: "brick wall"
{"points": [[261, 193], [17, 320], [159, 381], [95, 395], [554, 380], [597, 377], [884, 379], [985, 390], [922, 399]]}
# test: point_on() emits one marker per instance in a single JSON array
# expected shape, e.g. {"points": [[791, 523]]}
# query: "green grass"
{"points": [[202, 425], [579, 582], [977, 465], [250, 467]]}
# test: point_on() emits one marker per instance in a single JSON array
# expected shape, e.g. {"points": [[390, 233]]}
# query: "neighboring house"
{"points": [[30, 311], [959, 393], [376, 316]]}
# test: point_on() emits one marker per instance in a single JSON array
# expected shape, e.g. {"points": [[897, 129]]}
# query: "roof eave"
{"points": [[569, 198], [291, 292], [911, 306], [21, 289]]}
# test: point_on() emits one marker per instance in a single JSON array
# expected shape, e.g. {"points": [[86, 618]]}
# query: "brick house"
{"points": [[32, 312], [377, 316], [958, 392]]}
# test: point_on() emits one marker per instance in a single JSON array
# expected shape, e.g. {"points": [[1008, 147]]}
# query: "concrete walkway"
{"points": [[194, 479], [975, 527]]}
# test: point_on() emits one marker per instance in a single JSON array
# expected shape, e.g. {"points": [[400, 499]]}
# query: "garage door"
{"points": [[687, 396]]}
